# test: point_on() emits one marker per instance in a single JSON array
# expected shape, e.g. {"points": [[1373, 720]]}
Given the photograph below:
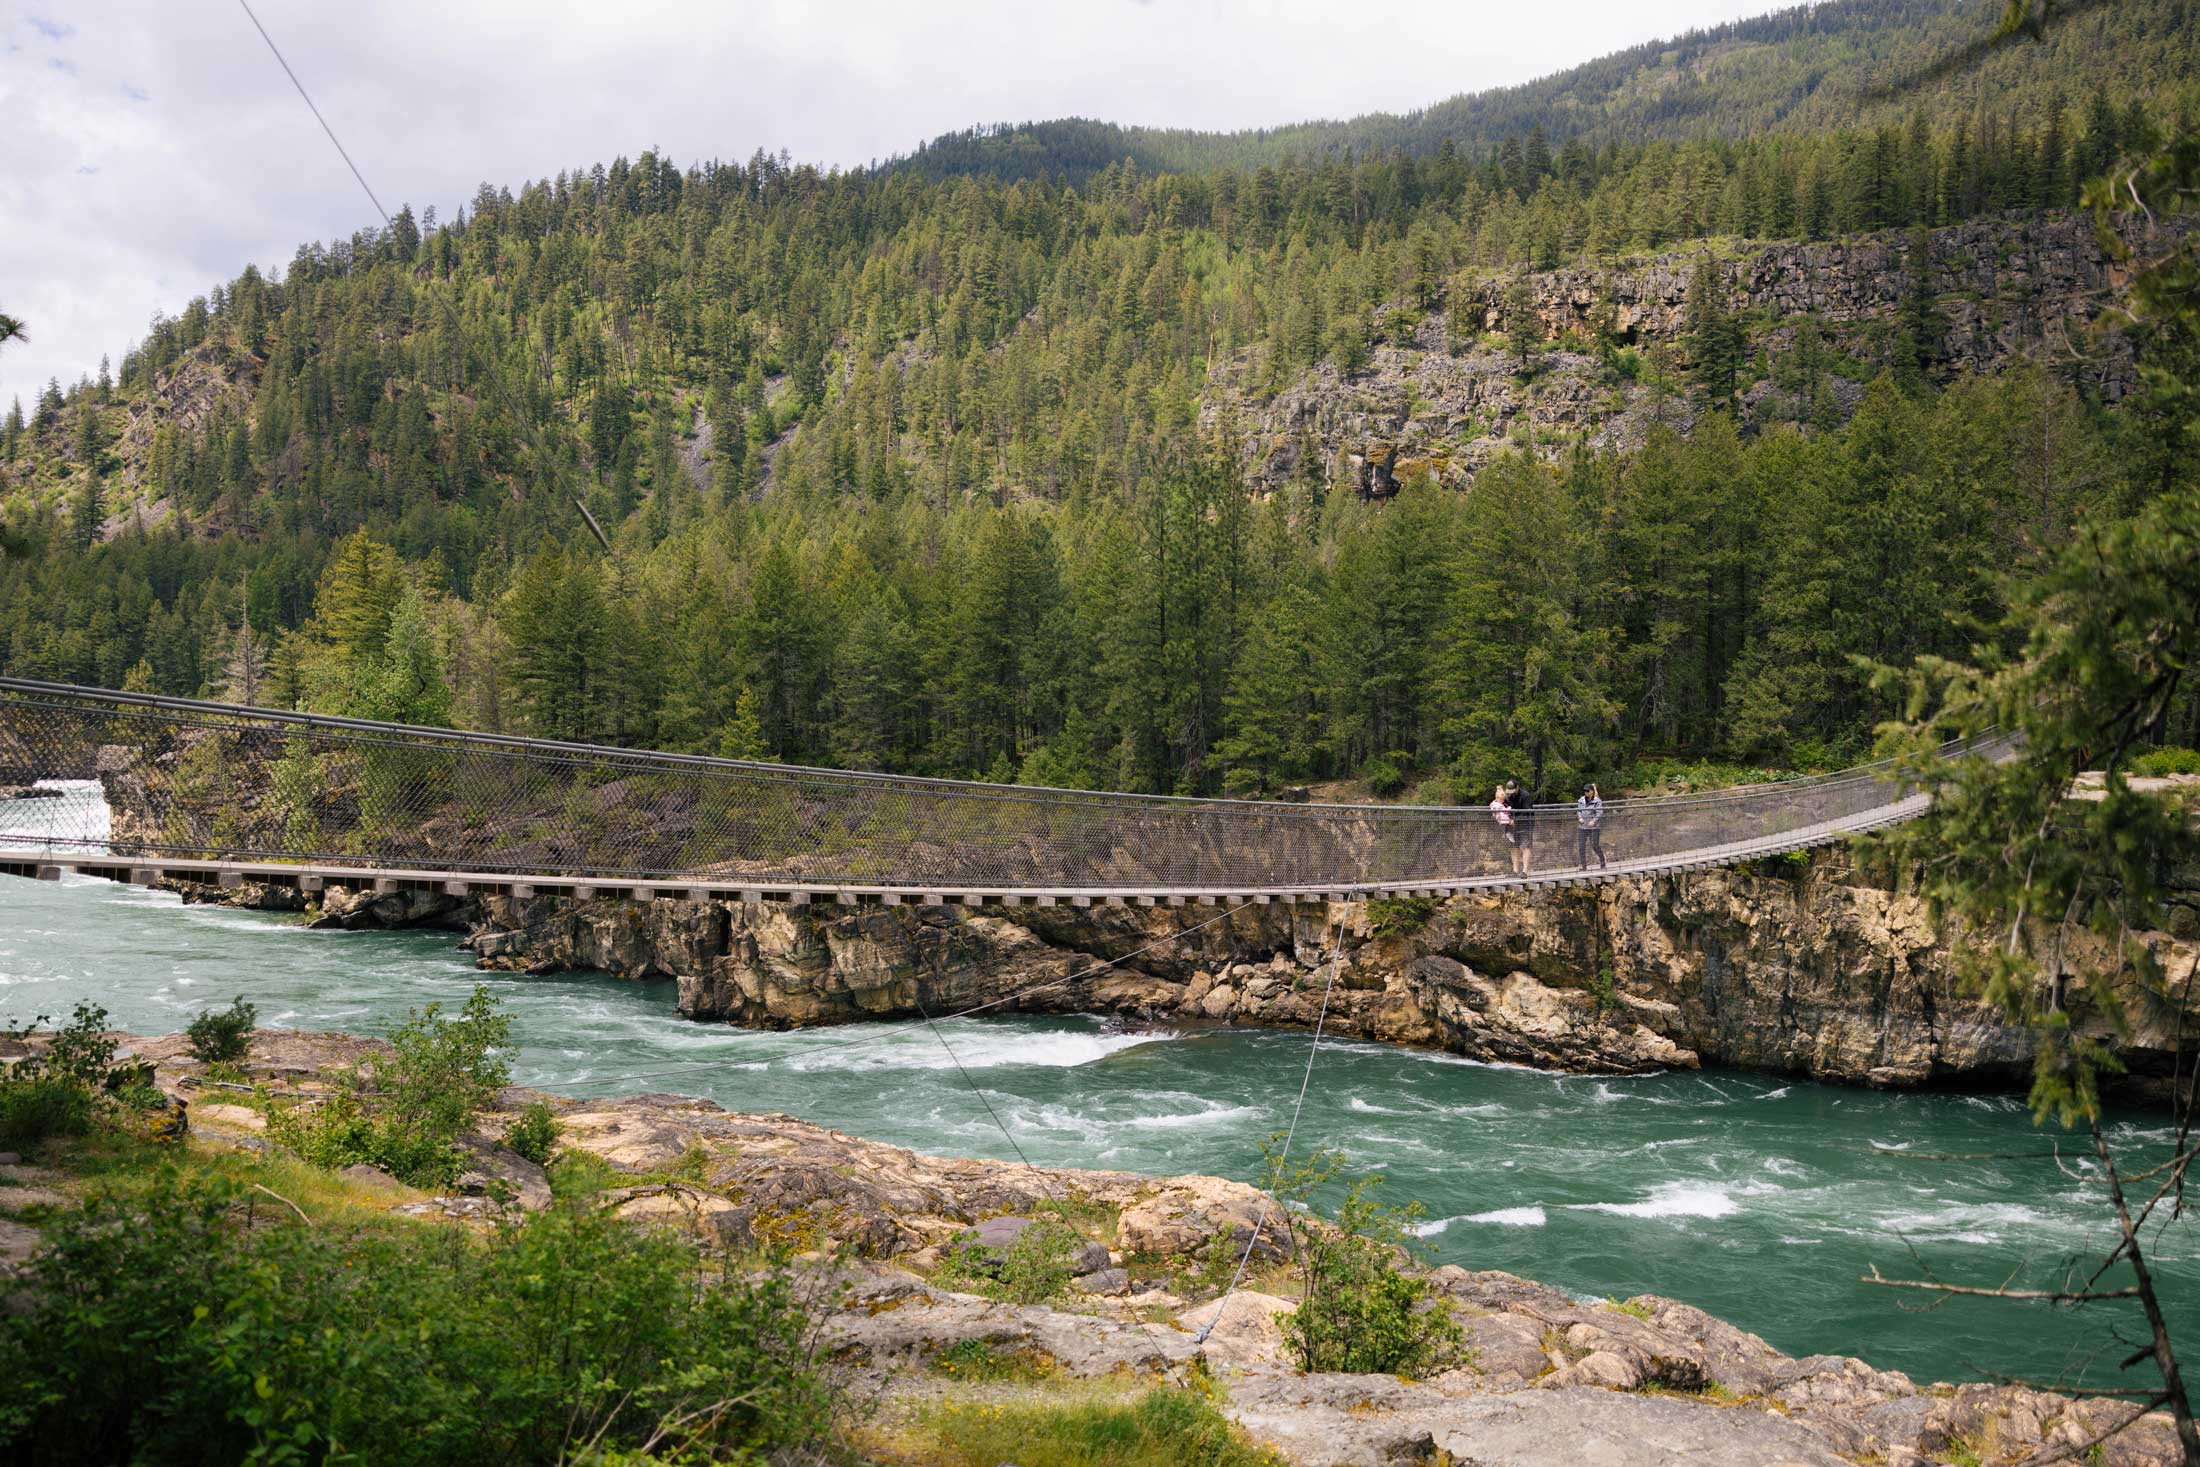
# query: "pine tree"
{"points": [[1715, 339], [1922, 329], [1523, 326], [88, 511]]}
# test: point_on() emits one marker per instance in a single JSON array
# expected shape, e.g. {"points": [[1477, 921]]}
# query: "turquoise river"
{"points": [[1757, 1198]]}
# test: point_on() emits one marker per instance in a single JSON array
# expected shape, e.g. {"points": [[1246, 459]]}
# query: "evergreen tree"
{"points": [[1523, 326], [1715, 340]]}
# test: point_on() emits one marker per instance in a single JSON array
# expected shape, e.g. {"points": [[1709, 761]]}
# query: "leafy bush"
{"points": [[56, 1091], [1399, 916], [220, 1036], [535, 1134], [1358, 1311], [1162, 1428], [2166, 761], [1603, 988], [573, 1336], [1386, 774], [1034, 1269], [81, 1050], [440, 1076]]}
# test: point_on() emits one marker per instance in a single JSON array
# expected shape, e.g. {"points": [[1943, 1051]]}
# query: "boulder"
{"points": [[494, 1171], [1244, 1327]]}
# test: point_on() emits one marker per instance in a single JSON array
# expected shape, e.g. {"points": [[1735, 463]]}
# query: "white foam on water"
{"points": [[1219, 1115], [1602, 1093], [1776, 1094], [1780, 1166], [1424, 1056], [1368, 1108], [1980, 1223], [1670, 1199], [981, 1047], [1531, 1216]]}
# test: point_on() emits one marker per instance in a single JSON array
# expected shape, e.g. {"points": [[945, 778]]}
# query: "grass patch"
{"points": [[577, 1174], [1161, 1428], [130, 1168], [1634, 1307], [983, 1360]]}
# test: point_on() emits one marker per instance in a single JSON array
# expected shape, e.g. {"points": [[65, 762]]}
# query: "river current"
{"points": [[1759, 1199]]}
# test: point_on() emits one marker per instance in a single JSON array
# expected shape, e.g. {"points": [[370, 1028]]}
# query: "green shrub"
{"points": [[1399, 916], [535, 1134], [221, 1036], [1035, 1268], [1358, 1311], [571, 1337], [56, 1091], [1386, 774], [81, 1050], [442, 1073], [1603, 988], [2166, 761], [581, 1174], [1162, 1428], [445, 1071]]}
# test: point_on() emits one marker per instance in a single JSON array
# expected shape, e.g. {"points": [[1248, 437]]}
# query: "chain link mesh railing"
{"points": [[127, 776]]}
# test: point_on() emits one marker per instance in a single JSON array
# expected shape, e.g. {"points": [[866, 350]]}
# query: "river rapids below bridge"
{"points": [[1759, 1199]]}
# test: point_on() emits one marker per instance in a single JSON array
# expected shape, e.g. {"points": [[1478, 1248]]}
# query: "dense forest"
{"points": [[903, 469], [1799, 71]]}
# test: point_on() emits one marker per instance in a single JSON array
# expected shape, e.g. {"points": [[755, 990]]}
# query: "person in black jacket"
{"points": [[1523, 812]]}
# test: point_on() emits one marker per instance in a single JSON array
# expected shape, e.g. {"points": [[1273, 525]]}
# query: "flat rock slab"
{"points": [[1593, 1428]]}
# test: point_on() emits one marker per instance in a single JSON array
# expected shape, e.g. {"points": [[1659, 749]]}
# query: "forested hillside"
{"points": [[909, 471], [1795, 72]]}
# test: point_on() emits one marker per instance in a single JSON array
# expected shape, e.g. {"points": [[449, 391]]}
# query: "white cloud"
{"points": [[152, 148]]}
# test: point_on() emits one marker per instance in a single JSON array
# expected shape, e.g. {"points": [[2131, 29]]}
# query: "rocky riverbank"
{"points": [[1824, 966], [1544, 1377]]}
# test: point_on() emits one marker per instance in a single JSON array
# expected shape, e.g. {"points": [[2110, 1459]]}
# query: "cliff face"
{"points": [[2003, 288], [1808, 968]]}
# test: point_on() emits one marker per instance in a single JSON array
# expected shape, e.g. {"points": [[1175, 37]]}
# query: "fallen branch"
{"points": [[279, 1197], [2057, 1296]]}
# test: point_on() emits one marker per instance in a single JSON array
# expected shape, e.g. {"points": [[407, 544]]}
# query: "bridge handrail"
{"points": [[520, 743]]}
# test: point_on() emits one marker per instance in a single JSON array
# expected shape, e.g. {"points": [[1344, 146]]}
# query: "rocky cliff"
{"points": [[1820, 967], [2003, 288]]}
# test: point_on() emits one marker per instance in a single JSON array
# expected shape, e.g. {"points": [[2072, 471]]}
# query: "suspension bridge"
{"points": [[145, 789]]}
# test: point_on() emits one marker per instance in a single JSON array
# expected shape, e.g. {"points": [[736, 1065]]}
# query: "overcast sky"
{"points": [[150, 148]]}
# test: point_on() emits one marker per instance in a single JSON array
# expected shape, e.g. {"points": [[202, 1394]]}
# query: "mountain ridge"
{"points": [[1828, 64]]}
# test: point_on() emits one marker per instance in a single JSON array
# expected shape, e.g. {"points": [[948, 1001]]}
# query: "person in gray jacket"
{"points": [[1589, 822]]}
